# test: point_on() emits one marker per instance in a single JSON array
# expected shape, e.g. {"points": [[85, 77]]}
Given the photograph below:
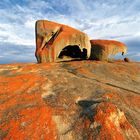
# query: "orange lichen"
{"points": [[33, 123], [23, 112], [32, 96], [105, 43], [113, 122]]}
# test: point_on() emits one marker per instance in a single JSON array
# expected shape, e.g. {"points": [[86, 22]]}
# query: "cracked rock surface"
{"points": [[77, 100]]}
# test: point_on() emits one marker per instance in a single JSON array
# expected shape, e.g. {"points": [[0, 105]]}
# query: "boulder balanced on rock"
{"points": [[55, 41]]}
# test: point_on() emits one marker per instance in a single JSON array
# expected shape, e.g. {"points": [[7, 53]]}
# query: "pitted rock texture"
{"points": [[104, 49], [58, 42], [79, 100]]}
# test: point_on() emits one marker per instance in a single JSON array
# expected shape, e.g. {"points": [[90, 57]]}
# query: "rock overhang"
{"points": [[52, 38], [58, 42], [102, 49]]}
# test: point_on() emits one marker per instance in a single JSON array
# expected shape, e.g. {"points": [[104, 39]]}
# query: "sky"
{"points": [[100, 19]]}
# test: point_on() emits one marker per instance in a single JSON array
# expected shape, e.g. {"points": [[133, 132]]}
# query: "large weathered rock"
{"points": [[104, 49], [76, 100], [55, 41]]}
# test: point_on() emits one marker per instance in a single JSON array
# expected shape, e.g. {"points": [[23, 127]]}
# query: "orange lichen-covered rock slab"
{"points": [[31, 123], [54, 39], [103, 49], [113, 123], [23, 115], [70, 101], [105, 121]]}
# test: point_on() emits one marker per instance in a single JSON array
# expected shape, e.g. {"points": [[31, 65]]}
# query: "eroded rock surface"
{"points": [[103, 49], [79, 100], [56, 41]]}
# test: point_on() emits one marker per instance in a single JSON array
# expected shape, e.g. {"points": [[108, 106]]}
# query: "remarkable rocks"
{"points": [[78, 100], [103, 49], [55, 41]]}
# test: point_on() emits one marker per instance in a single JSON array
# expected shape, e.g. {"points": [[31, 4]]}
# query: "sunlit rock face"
{"points": [[78, 100], [104, 49], [58, 42], [111, 123]]}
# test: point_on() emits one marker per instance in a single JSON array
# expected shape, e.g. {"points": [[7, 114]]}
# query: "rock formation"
{"points": [[78, 100], [55, 41], [103, 49], [75, 100]]}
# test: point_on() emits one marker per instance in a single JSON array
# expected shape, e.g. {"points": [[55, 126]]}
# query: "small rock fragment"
{"points": [[126, 59]]}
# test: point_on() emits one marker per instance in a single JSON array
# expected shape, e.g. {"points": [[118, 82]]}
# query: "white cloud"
{"points": [[137, 54], [114, 27], [19, 21], [108, 19], [15, 34]]}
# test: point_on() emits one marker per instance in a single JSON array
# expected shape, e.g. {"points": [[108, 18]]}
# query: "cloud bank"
{"points": [[105, 19]]}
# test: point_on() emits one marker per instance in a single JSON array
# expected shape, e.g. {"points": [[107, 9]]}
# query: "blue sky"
{"points": [[104, 19]]}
